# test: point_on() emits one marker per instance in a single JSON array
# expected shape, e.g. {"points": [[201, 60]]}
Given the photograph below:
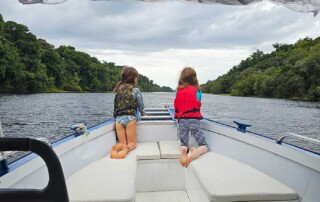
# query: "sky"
{"points": [[159, 39]]}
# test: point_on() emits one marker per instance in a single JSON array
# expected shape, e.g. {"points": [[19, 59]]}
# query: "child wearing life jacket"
{"points": [[187, 110], [127, 100]]}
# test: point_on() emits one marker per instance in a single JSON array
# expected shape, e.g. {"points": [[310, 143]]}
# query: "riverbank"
{"points": [[291, 99]]}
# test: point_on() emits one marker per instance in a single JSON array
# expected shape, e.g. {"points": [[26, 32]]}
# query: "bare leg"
{"points": [[183, 157], [122, 138], [195, 153], [131, 135], [121, 133]]}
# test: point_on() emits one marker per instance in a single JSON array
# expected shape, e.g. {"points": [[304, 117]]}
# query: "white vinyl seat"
{"points": [[110, 179], [104, 180], [225, 179], [169, 149], [145, 151]]}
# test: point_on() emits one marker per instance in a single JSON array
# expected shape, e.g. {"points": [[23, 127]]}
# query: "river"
{"points": [[50, 115]]}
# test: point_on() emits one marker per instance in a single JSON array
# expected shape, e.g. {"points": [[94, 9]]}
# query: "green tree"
{"points": [[290, 71], [28, 64]]}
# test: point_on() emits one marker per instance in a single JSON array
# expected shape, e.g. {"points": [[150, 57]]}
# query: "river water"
{"points": [[50, 115]]}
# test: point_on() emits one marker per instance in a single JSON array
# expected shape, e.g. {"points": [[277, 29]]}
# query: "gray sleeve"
{"points": [[137, 95]]}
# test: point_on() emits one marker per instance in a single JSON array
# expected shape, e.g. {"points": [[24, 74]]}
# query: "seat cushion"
{"points": [[169, 149], [104, 180], [225, 179], [145, 151]]}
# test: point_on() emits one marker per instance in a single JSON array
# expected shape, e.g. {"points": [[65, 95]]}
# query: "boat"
{"points": [[240, 166]]}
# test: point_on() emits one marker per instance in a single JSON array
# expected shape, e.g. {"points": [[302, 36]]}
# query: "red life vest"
{"points": [[186, 104]]}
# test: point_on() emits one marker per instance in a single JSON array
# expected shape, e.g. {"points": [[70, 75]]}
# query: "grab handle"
{"points": [[299, 137], [55, 191]]}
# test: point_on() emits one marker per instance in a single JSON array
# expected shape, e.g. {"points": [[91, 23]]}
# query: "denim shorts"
{"points": [[124, 120]]}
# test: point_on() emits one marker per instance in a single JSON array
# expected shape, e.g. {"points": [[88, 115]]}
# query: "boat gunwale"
{"points": [[295, 154], [28, 157], [285, 144]]}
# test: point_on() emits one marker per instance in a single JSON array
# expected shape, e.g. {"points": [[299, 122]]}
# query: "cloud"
{"points": [[160, 38], [164, 66]]}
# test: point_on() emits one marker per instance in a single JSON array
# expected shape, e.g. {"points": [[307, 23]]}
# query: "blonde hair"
{"points": [[188, 77], [128, 75]]}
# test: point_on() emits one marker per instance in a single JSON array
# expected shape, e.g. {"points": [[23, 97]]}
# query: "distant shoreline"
{"points": [[75, 92]]}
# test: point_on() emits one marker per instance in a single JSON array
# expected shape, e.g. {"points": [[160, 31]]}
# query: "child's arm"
{"points": [[137, 95], [199, 95]]}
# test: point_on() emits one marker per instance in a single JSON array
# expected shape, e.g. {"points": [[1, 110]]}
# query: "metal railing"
{"points": [[156, 114], [299, 137], [2, 153], [3, 156]]}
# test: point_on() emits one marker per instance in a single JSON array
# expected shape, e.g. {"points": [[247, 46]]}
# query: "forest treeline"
{"points": [[291, 71], [31, 65]]}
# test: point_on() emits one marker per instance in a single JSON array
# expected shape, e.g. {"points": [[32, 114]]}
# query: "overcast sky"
{"points": [[159, 39]]}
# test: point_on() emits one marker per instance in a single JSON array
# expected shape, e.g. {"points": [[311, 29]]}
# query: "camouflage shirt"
{"points": [[124, 103]]}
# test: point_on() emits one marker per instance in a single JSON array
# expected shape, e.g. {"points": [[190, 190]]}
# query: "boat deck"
{"points": [[162, 196], [152, 173]]}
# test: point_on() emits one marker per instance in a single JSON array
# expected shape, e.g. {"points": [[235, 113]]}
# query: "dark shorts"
{"points": [[192, 125]]}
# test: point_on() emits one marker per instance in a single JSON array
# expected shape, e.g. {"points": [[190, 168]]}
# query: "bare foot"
{"points": [[192, 155], [183, 158], [123, 152], [114, 152]]}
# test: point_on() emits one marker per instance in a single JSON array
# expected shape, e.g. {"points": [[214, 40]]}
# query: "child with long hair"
{"points": [[127, 100], [187, 110]]}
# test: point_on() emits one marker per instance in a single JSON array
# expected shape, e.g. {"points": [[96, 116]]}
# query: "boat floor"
{"points": [[162, 196], [146, 174]]}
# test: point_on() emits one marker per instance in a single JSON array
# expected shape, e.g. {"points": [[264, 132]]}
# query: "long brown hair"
{"points": [[188, 77], [127, 75]]}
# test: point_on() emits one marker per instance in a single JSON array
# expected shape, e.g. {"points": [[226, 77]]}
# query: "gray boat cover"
{"points": [[295, 5]]}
